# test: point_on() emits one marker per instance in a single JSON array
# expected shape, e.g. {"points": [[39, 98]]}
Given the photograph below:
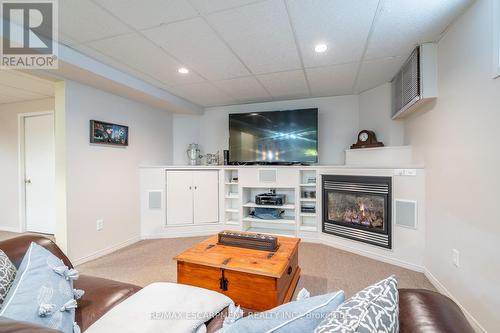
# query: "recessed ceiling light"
{"points": [[183, 70], [320, 48]]}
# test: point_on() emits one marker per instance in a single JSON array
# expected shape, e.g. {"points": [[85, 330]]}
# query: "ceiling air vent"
{"points": [[416, 81]]}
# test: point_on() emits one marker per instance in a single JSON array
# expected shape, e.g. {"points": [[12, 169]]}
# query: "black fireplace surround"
{"points": [[358, 208]]}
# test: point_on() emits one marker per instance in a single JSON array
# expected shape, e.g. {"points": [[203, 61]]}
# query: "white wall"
{"points": [[457, 140], [338, 124], [375, 114], [102, 182], [9, 158], [186, 130]]}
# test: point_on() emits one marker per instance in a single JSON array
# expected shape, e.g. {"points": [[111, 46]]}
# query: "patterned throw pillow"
{"points": [[298, 316], [374, 309], [42, 292], [7, 275]]}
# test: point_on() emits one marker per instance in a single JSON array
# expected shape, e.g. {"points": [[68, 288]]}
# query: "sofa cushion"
{"points": [[42, 292], [297, 316], [374, 309], [100, 296], [7, 275]]}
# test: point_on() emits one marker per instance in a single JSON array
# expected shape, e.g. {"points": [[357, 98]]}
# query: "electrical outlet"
{"points": [[456, 258], [99, 225]]}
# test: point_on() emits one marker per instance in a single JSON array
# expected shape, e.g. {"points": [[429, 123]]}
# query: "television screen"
{"points": [[274, 137]]}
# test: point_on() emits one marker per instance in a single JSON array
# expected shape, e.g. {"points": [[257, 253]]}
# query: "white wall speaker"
{"points": [[154, 199], [406, 213], [267, 175]]}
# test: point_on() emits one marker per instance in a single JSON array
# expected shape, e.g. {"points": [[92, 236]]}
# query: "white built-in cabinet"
{"points": [[192, 197]]}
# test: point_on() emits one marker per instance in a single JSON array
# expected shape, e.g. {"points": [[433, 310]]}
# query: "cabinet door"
{"points": [[206, 196], [179, 197]]}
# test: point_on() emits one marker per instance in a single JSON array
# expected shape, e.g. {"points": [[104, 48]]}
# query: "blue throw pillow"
{"points": [[42, 292], [299, 316]]}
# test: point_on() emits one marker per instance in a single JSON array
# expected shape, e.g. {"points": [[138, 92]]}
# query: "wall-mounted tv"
{"points": [[274, 137]]}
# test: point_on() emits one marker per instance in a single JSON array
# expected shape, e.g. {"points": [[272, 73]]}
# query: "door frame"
{"points": [[21, 151]]}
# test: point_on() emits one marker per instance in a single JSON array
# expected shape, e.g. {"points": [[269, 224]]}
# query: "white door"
{"points": [[39, 159], [179, 197], [206, 196]]}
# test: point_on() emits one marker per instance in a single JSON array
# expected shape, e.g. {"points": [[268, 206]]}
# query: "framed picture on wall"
{"points": [[108, 134]]}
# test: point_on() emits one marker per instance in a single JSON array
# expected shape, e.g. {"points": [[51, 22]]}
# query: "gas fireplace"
{"points": [[358, 208]]}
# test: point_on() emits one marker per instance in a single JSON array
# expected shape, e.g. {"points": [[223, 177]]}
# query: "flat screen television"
{"points": [[274, 137]]}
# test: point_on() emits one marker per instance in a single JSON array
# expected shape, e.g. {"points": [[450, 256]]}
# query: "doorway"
{"points": [[37, 153]]}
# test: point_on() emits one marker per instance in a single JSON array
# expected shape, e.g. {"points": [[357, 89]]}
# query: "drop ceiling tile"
{"points": [[376, 72], [203, 93], [290, 84], [141, 54], [333, 80], [260, 34], [195, 44], [209, 6], [343, 25], [243, 89], [142, 14], [26, 83], [405, 23], [82, 20]]}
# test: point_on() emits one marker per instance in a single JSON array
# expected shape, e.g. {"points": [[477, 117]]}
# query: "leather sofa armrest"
{"points": [[430, 312], [15, 248], [12, 326], [100, 296]]}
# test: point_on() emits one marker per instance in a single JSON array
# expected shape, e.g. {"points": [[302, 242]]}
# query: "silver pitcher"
{"points": [[193, 154]]}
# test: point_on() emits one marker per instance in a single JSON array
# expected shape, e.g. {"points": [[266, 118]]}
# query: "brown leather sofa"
{"points": [[100, 294], [420, 311]]}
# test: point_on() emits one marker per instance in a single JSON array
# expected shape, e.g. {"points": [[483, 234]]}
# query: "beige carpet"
{"points": [[324, 269]]}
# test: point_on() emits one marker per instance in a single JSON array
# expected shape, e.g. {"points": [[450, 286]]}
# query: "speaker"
{"points": [[154, 200], [226, 157], [406, 213], [267, 175]]}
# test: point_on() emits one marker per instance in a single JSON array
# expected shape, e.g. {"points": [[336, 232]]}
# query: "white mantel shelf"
{"points": [[312, 167]]}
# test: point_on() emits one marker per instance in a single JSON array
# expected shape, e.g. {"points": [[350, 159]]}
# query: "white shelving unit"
{"points": [[231, 198], [284, 226], [308, 182]]}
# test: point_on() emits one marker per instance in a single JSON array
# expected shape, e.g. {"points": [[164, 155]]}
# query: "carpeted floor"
{"points": [[324, 268]]}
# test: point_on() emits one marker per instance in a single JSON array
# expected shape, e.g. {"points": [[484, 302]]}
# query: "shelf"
{"points": [[231, 183], [232, 210], [308, 199], [308, 214], [272, 231], [308, 185], [232, 222], [232, 197], [254, 205], [285, 221], [307, 228]]}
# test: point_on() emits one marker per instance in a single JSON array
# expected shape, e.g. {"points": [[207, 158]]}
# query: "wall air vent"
{"points": [[416, 82]]}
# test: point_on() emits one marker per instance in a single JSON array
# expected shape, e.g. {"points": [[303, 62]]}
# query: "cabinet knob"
{"points": [[196, 187], [190, 187]]}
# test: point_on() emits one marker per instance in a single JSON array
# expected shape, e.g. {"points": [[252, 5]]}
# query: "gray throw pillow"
{"points": [[374, 309], [7, 275]]}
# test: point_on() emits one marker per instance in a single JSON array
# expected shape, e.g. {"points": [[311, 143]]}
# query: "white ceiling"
{"points": [[18, 87], [242, 51]]}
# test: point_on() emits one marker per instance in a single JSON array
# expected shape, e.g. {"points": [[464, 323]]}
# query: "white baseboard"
{"points": [[10, 229], [174, 232], [442, 289], [105, 251], [389, 260]]}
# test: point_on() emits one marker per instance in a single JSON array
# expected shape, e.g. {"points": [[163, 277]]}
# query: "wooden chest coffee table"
{"points": [[257, 280]]}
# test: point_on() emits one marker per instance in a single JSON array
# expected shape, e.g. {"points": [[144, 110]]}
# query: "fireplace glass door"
{"points": [[358, 207]]}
